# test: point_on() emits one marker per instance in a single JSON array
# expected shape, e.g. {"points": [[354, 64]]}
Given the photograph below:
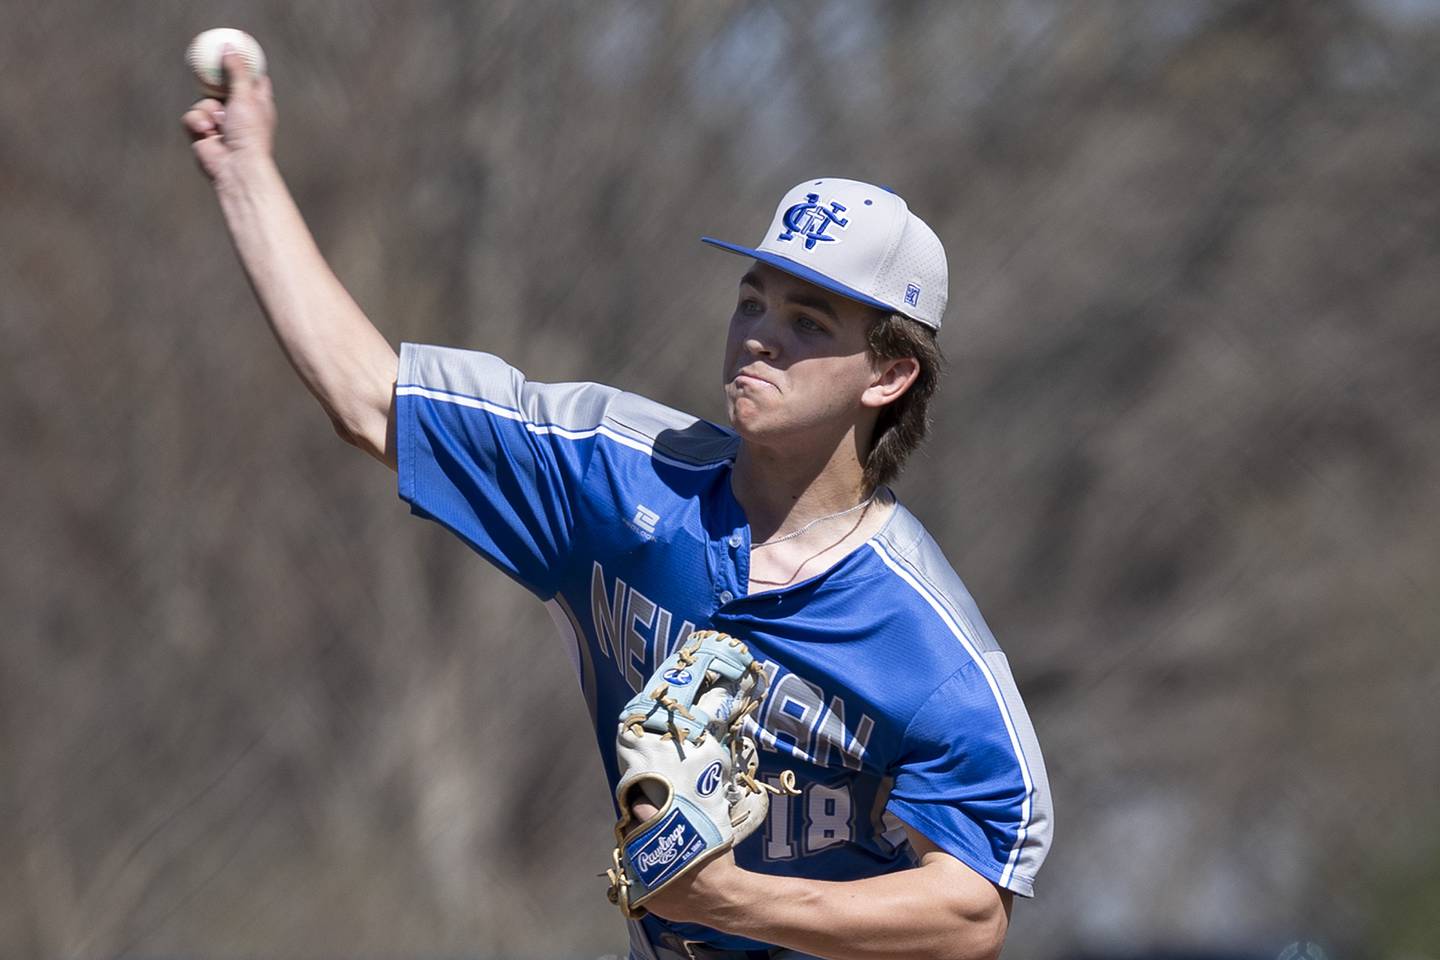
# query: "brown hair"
{"points": [[903, 423]]}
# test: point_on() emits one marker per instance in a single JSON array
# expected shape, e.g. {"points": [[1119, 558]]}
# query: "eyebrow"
{"points": [[810, 301], [818, 304]]}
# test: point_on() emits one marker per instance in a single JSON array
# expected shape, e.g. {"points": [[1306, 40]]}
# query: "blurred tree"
{"points": [[1184, 459]]}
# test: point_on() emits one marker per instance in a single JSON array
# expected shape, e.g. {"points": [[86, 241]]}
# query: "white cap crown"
{"points": [[860, 241]]}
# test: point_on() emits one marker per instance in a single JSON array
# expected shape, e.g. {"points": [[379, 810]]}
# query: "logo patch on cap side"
{"points": [[912, 294], [811, 220]]}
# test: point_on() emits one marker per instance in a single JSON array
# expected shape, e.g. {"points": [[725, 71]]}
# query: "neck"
{"points": [[785, 486]]}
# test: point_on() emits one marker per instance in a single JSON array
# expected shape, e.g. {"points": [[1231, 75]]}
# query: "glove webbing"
{"points": [[635, 722]]}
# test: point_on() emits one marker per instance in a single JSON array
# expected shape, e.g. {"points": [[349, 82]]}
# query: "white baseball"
{"points": [[203, 56]]}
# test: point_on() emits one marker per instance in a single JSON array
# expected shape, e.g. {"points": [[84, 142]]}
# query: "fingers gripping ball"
{"points": [[205, 52], [680, 747]]}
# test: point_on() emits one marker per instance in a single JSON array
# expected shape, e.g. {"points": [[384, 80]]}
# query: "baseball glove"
{"points": [[680, 747]]}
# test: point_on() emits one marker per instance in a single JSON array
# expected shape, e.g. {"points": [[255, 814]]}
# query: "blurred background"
{"points": [[1186, 457]]}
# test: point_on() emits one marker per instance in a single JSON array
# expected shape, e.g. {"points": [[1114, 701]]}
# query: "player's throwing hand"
{"points": [[241, 127]]}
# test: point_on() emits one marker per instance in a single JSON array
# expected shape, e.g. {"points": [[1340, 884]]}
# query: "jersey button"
{"points": [[726, 596], [735, 541]]}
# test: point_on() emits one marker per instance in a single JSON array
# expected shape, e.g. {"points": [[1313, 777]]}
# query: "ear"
{"points": [[892, 378]]}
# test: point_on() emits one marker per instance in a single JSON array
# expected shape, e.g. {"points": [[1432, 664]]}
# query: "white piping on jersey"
{"points": [[945, 615], [568, 639], [544, 429]]}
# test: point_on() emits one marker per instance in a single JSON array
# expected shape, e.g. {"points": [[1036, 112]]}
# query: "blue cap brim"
{"points": [[803, 272]]}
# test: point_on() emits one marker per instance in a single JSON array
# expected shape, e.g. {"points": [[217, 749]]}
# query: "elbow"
{"points": [[368, 425], [370, 436], [346, 432], [989, 945], [992, 935], [980, 928], [979, 940]]}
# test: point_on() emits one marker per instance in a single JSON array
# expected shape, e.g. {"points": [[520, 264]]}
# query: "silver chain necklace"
{"points": [[829, 516]]}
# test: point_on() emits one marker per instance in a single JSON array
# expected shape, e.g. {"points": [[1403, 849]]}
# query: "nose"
{"points": [[759, 339], [757, 347]]}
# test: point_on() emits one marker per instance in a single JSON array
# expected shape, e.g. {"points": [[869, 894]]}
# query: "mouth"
{"points": [[752, 380]]}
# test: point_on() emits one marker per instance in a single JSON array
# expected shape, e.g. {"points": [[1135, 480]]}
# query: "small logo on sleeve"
{"points": [[644, 521]]}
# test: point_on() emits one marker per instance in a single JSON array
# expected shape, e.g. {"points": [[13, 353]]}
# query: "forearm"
{"points": [[340, 356], [909, 914]]}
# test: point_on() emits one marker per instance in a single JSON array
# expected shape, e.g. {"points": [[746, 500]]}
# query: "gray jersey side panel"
{"points": [[907, 539]]}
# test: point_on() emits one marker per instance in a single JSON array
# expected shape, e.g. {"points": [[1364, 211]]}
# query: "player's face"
{"points": [[796, 364]]}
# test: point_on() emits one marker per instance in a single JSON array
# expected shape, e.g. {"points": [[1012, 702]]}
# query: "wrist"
{"points": [[246, 173], [727, 894]]}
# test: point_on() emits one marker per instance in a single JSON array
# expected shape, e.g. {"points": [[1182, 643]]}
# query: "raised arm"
{"points": [[342, 359]]}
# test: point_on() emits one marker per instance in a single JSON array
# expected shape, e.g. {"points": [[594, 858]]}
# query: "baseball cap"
{"points": [[860, 241]]}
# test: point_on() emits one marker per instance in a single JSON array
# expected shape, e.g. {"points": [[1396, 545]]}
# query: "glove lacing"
{"points": [[743, 766]]}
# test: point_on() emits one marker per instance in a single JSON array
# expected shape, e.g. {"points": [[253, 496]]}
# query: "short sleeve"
{"points": [[971, 779], [494, 458]]}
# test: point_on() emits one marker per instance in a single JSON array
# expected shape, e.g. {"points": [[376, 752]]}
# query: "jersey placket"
{"points": [[730, 559]]}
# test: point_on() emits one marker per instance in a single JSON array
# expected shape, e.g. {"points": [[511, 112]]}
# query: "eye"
{"points": [[808, 324], [751, 307]]}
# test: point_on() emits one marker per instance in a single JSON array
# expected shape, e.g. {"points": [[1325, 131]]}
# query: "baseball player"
{"points": [[920, 803]]}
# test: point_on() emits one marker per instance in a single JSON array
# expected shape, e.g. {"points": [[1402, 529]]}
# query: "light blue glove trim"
{"points": [[681, 837]]}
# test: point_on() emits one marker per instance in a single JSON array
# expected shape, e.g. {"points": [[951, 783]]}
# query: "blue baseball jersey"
{"points": [[888, 697]]}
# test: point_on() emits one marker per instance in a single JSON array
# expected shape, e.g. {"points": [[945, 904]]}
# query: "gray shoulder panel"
{"points": [[465, 372], [678, 435], [576, 407]]}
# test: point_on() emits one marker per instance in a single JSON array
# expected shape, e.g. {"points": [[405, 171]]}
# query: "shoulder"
{"points": [[485, 382], [961, 675], [671, 435], [934, 591]]}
